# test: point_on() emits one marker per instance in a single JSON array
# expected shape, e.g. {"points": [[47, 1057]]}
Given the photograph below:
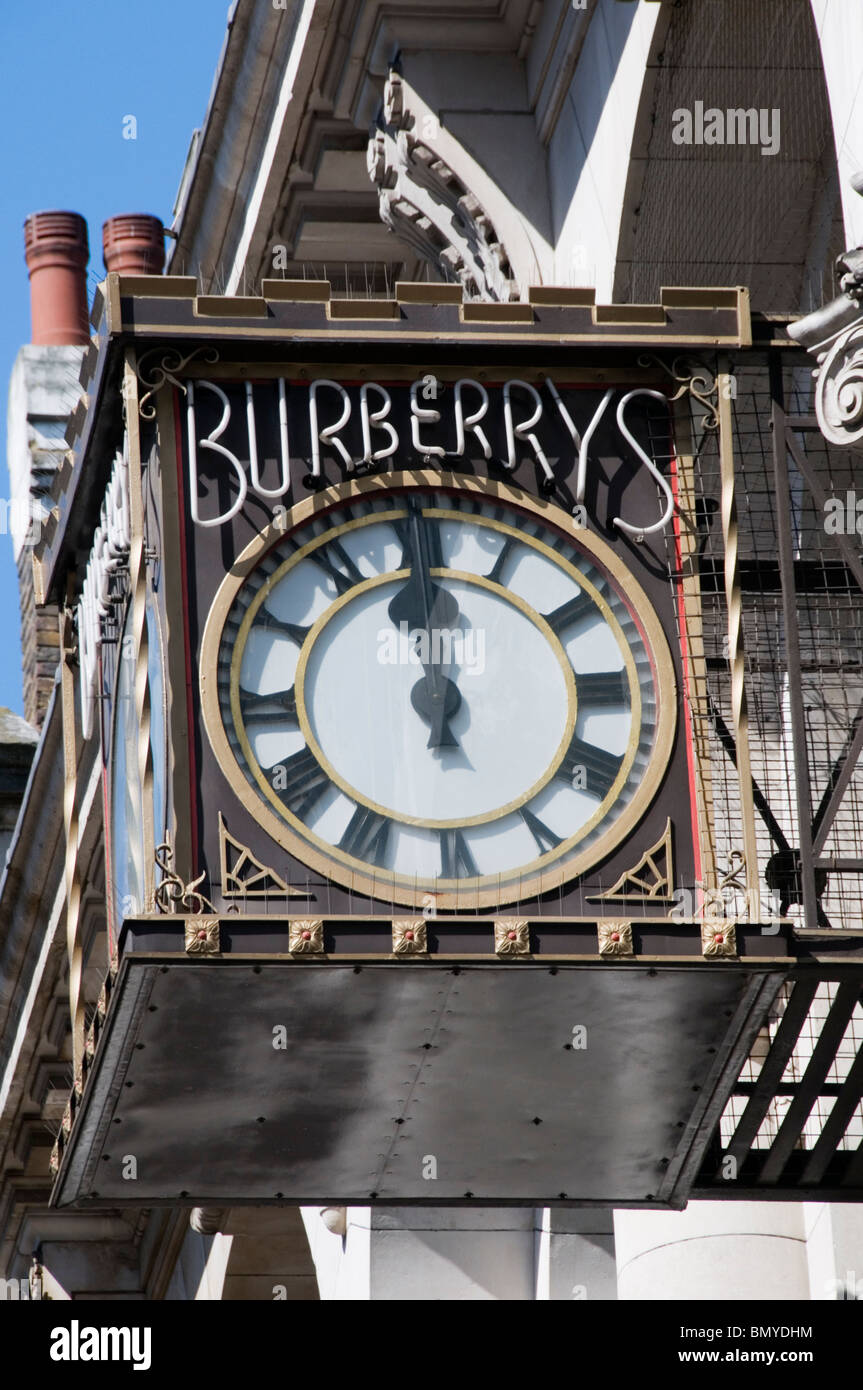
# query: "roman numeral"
{"points": [[300, 781], [367, 836], [278, 707], [456, 858], [270, 623], [545, 838], [323, 558], [588, 767], [496, 570], [603, 688], [570, 612]]}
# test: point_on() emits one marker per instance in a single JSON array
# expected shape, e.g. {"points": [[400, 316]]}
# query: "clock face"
{"points": [[128, 799], [439, 695], [128, 870]]}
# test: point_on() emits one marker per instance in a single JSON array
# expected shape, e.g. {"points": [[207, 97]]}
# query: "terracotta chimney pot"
{"points": [[56, 251], [134, 244]]}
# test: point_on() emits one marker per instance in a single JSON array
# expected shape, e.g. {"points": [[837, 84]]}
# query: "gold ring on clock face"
{"points": [[426, 692]]}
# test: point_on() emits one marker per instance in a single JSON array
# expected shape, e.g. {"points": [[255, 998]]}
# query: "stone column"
{"points": [[428, 1254], [720, 1251]]}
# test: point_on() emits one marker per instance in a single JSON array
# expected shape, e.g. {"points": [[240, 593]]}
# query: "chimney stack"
{"points": [[134, 244], [56, 251]]}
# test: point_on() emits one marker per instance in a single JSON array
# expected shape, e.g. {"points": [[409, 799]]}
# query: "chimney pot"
{"points": [[134, 244], [56, 251]]}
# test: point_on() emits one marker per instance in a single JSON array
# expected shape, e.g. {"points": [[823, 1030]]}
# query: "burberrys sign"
{"points": [[256, 437]]}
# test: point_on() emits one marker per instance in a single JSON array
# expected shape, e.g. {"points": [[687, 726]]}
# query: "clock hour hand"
{"points": [[437, 700], [425, 607]]}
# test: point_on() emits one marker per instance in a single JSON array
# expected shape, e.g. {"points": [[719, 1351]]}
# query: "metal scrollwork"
{"points": [[172, 894], [723, 904], [154, 377], [699, 383]]}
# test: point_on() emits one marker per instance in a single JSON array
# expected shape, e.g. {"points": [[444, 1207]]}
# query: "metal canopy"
{"points": [[429, 1083], [791, 1129]]}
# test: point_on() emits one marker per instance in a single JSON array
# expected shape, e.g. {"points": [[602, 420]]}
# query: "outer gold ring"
{"points": [[492, 890]]}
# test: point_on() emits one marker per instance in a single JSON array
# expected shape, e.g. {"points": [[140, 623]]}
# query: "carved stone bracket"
{"points": [[426, 204], [839, 393], [833, 335]]}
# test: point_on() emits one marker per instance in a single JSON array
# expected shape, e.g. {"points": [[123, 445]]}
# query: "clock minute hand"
{"points": [[424, 605], [421, 603]]}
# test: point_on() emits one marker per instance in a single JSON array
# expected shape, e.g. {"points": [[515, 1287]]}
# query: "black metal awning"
{"points": [[550, 1079]]}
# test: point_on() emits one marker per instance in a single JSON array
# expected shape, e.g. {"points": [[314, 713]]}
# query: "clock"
{"points": [[438, 694], [128, 868], [131, 802]]}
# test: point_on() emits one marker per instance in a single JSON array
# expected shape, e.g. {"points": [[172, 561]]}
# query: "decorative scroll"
{"points": [[409, 936], [833, 335], [615, 937], [694, 379], [244, 876], [306, 936], [839, 390], [650, 880], [732, 876], [512, 936], [172, 894], [154, 376]]}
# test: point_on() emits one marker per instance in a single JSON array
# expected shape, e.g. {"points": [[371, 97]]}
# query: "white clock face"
{"points": [[439, 693], [129, 801]]}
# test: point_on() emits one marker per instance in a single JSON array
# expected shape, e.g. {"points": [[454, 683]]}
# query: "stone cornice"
{"points": [[342, 57]]}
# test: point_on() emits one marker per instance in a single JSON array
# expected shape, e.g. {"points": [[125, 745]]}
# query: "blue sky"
{"points": [[70, 71]]}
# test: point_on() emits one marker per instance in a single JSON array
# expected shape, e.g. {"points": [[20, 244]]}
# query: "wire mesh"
{"points": [[830, 618]]}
